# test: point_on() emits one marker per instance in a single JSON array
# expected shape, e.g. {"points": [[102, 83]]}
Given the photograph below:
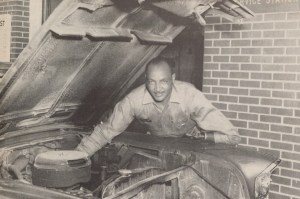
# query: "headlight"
{"points": [[263, 181]]}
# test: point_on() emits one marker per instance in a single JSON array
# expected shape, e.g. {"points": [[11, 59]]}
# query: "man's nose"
{"points": [[157, 87]]}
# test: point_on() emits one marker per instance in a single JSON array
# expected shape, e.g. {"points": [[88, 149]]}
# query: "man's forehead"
{"points": [[162, 68]]}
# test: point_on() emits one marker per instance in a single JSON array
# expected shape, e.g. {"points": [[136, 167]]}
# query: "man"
{"points": [[168, 108]]}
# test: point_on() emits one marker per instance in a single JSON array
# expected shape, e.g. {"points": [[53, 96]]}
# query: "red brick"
{"points": [[293, 15], [296, 165], [230, 114], [206, 89], [240, 42], [207, 59], [297, 130], [251, 67], [240, 59], [263, 76], [293, 51], [208, 28], [206, 74], [283, 94], [290, 173], [292, 86], [275, 17], [221, 58], [254, 84], [211, 35], [240, 75], [221, 90], [221, 43], [207, 43], [262, 42], [272, 51], [282, 111], [248, 133], [251, 51], [259, 126], [234, 51], [284, 76], [211, 50], [259, 109], [226, 35], [220, 74], [224, 82], [297, 148], [210, 81], [274, 187], [222, 27], [262, 59], [211, 66], [272, 85], [238, 91], [271, 119], [291, 138], [297, 113], [248, 100], [285, 59], [237, 107], [263, 26], [291, 191], [281, 128], [271, 102], [251, 34], [293, 33], [284, 42], [285, 164], [286, 25], [275, 153], [248, 116], [296, 183], [258, 142], [229, 66], [238, 123], [225, 98], [260, 93], [280, 145], [292, 68], [272, 67], [292, 103], [274, 34], [270, 136]]}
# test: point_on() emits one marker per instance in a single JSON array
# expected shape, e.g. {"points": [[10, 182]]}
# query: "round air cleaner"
{"points": [[61, 169]]}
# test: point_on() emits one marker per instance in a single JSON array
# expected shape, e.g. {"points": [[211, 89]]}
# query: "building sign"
{"points": [[5, 34], [264, 6]]}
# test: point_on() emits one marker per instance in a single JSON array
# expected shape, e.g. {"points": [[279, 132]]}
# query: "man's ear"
{"points": [[173, 77]]}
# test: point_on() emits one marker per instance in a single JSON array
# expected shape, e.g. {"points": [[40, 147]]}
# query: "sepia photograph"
{"points": [[150, 99]]}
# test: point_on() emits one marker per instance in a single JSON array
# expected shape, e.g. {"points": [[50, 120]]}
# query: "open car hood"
{"points": [[88, 54]]}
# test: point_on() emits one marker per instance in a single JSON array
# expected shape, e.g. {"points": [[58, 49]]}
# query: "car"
{"points": [[84, 59]]}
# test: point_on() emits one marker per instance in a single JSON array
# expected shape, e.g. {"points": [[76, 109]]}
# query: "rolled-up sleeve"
{"points": [[118, 121], [211, 119]]}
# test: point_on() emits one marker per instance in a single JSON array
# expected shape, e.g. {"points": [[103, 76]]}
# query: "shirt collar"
{"points": [[175, 97]]}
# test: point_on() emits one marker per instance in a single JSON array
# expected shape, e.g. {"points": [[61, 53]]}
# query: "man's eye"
{"points": [[165, 81]]}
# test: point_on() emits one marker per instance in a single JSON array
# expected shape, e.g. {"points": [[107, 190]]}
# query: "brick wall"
{"points": [[252, 73], [19, 10]]}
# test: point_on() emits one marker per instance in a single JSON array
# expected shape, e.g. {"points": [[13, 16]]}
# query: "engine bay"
{"points": [[55, 165]]}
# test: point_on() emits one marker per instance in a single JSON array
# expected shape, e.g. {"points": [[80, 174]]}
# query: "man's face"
{"points": [[159, 81]]}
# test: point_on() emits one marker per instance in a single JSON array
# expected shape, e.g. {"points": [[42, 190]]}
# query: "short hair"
{"points": [[158, 60]]}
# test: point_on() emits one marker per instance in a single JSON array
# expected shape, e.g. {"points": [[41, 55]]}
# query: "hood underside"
{"points": [[90, 52]]}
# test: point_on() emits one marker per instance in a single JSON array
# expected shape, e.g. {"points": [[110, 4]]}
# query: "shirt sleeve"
{"points": [[211, 119], [118, 121]]}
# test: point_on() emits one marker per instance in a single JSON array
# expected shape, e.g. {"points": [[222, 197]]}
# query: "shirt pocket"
{"points": [[180, 120]]}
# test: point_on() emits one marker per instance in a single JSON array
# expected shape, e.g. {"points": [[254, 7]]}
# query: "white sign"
{"points": [[5, 35]]}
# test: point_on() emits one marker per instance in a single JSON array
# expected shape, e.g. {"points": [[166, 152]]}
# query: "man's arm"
{"points": [[211, 119], [103, 133]]}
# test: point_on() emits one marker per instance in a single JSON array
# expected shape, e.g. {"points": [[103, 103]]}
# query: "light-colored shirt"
{"points": [[187, 112]]}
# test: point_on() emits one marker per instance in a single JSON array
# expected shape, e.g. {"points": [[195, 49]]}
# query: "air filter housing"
{"points": [[61, 169]]}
